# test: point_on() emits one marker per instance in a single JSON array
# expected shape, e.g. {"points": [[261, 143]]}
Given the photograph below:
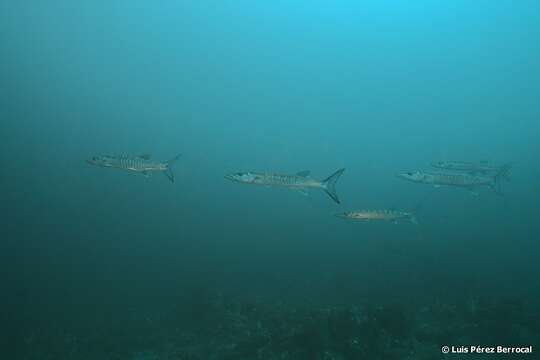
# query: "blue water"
{"points": [[104, 264]]}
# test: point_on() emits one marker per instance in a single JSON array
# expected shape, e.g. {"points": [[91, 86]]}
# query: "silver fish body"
{"points": [[448, 179], [465, 180], [291, 181], [393, 216], [300, 181], [482, 167], [139, 164]]}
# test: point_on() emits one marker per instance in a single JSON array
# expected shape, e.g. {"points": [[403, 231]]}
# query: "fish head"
{"points": [[411, 176], [99, 160], [243, 177], [344, 215], [439, 164]]}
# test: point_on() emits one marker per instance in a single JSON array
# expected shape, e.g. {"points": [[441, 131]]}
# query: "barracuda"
{"points": [[140, 164], [482, 167], [300, 181], [457, 179], [393, 216]]}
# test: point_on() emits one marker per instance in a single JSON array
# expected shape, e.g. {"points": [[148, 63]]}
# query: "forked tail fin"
{"points": [[168, 172], [329, 184]]}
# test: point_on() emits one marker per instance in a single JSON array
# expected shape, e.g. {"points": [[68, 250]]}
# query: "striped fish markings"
{"points": [[300, 181], [464, 180], [140, 164], [393, 216], [482, 167]]}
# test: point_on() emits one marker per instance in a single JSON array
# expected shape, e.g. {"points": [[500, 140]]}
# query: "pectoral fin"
{"points": [[304, 192], [169, 174]]}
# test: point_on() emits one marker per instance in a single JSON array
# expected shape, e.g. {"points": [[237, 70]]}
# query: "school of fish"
{"points": [[468, 175]]}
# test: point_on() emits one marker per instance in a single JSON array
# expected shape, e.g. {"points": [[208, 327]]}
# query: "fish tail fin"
{"points": [[413, 219], [329, 185], [168, 171], [502, 174]]}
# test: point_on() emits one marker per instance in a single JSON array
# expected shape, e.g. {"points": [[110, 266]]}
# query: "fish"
{"points": [[465, 180], [142, 164], [300, 181], [482, 167], [393, 216]]}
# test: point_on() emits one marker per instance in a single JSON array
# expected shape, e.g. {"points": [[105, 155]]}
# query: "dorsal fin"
{"points": [[145, 156], [304, 173]]}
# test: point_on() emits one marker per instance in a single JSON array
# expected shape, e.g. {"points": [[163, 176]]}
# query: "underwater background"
{"points": [[104, 264]]}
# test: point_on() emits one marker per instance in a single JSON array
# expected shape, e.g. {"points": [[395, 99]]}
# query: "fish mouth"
{"points": [[406, 175], [229, 177], [341, 215]]}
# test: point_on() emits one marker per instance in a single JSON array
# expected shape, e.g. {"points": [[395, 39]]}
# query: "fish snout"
{"points": [[96, 160], [401, 175], [409, 175]]}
